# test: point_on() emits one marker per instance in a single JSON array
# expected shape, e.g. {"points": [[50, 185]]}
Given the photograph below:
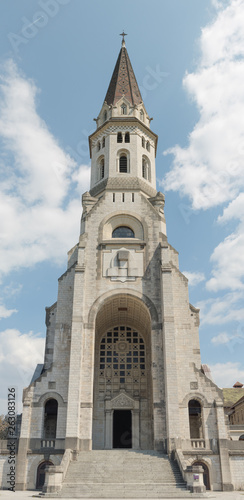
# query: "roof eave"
{"points": [[129, 119]]}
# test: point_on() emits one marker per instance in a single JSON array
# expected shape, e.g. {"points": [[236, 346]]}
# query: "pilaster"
{"points": [[75, 365], [21, 473], [169, 348], [223, 448]]}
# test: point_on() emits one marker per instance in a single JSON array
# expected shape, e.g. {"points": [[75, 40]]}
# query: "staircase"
{"points": [[123, 474]]}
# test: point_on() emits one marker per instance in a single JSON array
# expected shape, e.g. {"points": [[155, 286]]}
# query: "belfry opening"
{"points": [[122, 383]]}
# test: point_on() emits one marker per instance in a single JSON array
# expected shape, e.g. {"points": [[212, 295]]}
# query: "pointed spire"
{"points": [[123, 81]]}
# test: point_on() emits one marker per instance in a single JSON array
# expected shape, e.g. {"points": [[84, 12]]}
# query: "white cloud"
{"points": [[6, 313], [12, 289], [81, 177], [228, 260], [19, 355], [227, 374], [217, 311], [209, 170], [225, 338], [221, 338], [38, 177], [194, 278], [228, 256], [224, 39]]}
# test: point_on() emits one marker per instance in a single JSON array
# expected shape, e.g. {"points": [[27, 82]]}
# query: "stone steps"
{"points": [[123, 474]]}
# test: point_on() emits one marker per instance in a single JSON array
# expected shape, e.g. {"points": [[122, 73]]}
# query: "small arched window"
{"points": [[119, 137], [123, 232], [127, 137], [105, 116], [143, 142], [146, 173], [123, 164], [124, 109], [144, 169], [195, 419], [98, 146], [103, 142], [148, 146], [50, 419], [101, 169], [142, 115], [241, 438]]}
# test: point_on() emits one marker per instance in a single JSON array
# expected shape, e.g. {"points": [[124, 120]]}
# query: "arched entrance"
{"points": [[206, 479], [122, 380], [40, 475]]}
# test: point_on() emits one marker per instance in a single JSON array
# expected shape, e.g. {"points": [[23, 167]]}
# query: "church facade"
{"points": [[122, 365]]}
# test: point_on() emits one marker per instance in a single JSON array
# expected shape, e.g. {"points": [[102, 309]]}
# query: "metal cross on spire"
{"points": [[123, 39]]}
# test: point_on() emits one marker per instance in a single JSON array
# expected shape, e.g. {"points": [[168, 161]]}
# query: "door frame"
{"points": [[122, 402]]}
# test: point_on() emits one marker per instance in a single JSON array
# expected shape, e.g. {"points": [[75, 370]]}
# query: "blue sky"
{"points": [[56, 61]]}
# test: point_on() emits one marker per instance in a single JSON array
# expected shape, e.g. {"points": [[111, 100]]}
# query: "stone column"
{"points": [[223, 448], [169, 348], [108, 429], [73, 407], [136, 429]]}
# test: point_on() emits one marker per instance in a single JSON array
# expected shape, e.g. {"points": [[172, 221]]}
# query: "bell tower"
{"points": [[123, 147], [122, 366]]}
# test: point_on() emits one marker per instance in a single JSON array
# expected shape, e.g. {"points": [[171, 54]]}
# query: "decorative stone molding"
{"points": [[122, 401]]}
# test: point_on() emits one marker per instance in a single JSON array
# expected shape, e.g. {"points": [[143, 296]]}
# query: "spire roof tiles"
{"points": [[123, 81]]}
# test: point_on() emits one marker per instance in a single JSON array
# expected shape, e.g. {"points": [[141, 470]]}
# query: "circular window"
{"points": [[123, 232]]}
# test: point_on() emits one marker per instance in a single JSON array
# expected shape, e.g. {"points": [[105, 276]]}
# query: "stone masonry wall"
{"points": [[237, 471]]}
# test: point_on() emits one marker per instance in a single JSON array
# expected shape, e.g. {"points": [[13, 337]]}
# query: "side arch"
{"points": [[34, 464], [50, 395], [40, 474], [195, 395], [206, 474]]}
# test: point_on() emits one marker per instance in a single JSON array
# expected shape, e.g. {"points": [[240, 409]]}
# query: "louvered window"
{"points": [[123, 164]]}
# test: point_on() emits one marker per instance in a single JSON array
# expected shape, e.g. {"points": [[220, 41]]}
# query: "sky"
{"points": [[56, 61]]}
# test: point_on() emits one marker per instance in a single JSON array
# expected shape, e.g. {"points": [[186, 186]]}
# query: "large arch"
{"points": [[127, 292], [122, 375]]}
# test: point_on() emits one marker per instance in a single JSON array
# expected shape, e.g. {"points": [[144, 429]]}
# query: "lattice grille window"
{"points": [[123, 360]]}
